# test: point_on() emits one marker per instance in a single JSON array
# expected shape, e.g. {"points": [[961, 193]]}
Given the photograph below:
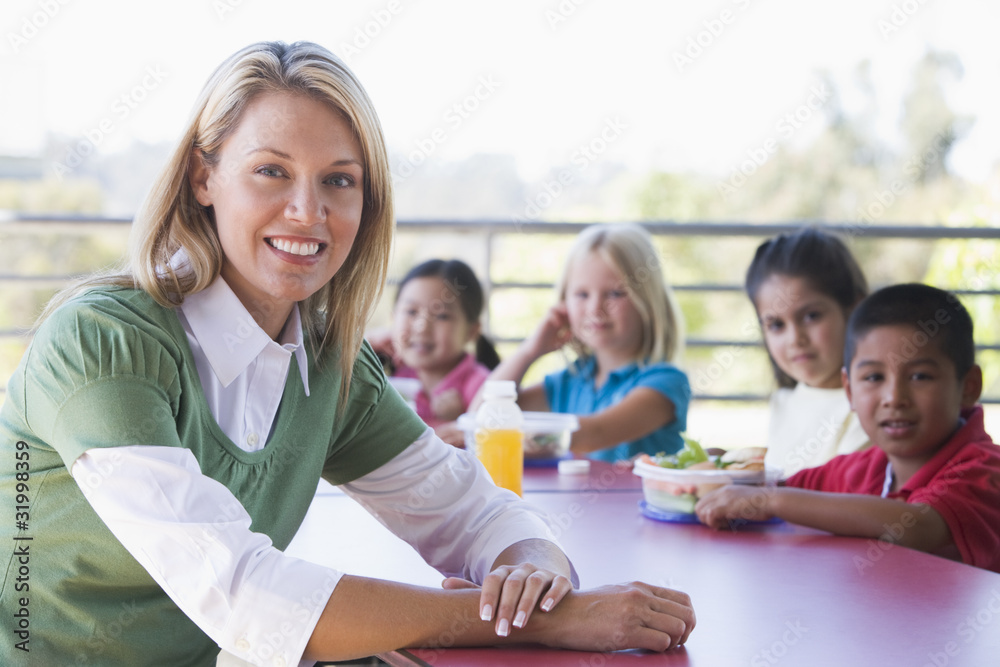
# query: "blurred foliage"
{"points": [[962, 265], [51, 195]]}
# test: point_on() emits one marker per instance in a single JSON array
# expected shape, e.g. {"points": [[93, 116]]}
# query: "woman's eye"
{"points": [[774, 325], [617, 294], [813, 316], [340, 180], [269, 171]]}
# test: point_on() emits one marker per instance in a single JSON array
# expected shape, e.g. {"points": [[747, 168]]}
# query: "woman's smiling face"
{"points": [[287, 193]]}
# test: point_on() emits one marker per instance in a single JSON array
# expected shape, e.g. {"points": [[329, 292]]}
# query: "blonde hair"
{"points": [[629, 249], [171, 218]]}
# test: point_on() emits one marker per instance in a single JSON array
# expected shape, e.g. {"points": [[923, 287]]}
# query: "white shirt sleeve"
{"points": [[193, 537], [441, 500]]}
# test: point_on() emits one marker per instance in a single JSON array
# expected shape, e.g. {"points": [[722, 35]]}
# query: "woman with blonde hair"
{"points": [[617, 312], [169, 423]]}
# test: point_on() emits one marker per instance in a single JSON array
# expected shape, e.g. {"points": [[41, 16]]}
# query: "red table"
{"points": [[601, 477], [764, 595]]}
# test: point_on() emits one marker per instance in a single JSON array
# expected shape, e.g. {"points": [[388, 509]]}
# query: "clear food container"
{"points": [[546, 434], [678, 489]]}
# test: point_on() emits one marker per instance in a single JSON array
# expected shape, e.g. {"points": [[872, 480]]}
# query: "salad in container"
{"points": [[673, 483]]}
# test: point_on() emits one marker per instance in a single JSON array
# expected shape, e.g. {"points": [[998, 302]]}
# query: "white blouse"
{"points": [[193, 536]]}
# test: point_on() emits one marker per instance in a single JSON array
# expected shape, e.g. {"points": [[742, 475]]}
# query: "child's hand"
{"points": [[381, 342], [451, 433], [734, 502], [553, 332], [447, 405]]}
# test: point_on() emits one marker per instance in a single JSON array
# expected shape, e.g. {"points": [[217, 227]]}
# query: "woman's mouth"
{"points": [[294, 247]]}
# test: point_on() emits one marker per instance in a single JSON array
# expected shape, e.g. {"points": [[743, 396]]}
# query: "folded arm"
{"points": [[193, 537]]}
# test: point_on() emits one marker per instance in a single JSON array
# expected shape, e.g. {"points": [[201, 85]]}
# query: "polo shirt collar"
{"points": [[230, 338], [587, 366]]}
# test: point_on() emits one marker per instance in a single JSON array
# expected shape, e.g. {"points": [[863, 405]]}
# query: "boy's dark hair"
{"points": [[815, 255], [464, 287], [938, 317]]}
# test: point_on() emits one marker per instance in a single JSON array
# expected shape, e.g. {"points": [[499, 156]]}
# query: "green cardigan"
{"points": [[113, 368]]}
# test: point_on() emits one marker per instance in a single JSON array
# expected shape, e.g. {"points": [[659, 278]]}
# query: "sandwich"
{"points": [[743, 458]]}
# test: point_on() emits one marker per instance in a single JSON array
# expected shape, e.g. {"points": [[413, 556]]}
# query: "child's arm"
{"points": [[550, 335], [642, 411], [913, 525]]}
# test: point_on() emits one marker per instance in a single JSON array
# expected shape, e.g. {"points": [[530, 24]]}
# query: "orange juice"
{"points": [[501, 452]]}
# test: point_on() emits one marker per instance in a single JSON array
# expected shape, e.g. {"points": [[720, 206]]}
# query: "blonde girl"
{"points": [[617, 313]]}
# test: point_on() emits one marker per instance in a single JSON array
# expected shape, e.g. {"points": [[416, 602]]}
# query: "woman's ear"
{"points": [[198, 175]]}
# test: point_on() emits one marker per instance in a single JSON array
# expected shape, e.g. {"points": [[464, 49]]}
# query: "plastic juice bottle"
{"points": [[500, 435]]}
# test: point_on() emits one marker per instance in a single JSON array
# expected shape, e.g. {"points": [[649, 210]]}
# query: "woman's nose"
{"points": [[304, 205]]}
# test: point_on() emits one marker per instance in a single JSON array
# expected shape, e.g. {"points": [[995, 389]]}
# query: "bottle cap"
{"points": [[500, 389], [574, 467]]}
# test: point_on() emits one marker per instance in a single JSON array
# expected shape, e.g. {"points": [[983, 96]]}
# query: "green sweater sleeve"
{"points": [[101, 378]]}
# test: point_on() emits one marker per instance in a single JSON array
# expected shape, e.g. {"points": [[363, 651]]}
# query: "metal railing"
{"points": [[490, 230]]}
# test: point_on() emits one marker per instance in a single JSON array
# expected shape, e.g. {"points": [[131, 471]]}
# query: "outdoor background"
{"points": [[772, 111]]}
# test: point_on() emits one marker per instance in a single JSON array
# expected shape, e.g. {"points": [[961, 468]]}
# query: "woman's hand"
{"points": [[734, 502], [611, 618], [510, 594]]}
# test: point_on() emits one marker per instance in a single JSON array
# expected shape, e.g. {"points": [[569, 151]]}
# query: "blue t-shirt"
{"points": [[572, 391]]}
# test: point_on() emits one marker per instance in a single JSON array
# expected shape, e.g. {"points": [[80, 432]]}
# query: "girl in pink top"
{"points": [[435, 319]]}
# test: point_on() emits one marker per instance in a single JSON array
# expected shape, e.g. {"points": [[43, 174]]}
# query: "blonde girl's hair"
{"points": [[171, 218], [629, 249]]}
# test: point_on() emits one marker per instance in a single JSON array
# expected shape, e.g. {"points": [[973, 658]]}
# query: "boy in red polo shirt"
{"points": [[932, 482]]}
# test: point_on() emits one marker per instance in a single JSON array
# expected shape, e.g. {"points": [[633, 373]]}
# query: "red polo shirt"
{"points": [[961, 482]]}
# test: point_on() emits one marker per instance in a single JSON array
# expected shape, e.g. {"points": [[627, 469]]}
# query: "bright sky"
{"points": [[532, 78]]}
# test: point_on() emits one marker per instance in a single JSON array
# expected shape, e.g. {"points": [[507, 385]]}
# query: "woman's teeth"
{"points": [[294, 248]]}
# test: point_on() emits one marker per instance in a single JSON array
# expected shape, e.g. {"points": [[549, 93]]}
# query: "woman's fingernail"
{"points": [[502, 628], [548, 604], [520, 619], [486, 613]]}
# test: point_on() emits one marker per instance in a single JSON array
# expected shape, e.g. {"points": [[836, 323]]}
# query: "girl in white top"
{"points": [[269, 232], [803, 287]]}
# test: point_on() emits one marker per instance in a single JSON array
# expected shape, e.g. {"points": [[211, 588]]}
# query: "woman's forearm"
{"points": [[369, 616]]}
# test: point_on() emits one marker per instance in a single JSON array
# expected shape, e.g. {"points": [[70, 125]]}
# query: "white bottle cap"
{"points": [[574, 467], [500, 389]]}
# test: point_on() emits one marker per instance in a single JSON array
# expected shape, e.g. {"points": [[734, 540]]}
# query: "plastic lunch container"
{"points": [[546, 434], [677, 490]]}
